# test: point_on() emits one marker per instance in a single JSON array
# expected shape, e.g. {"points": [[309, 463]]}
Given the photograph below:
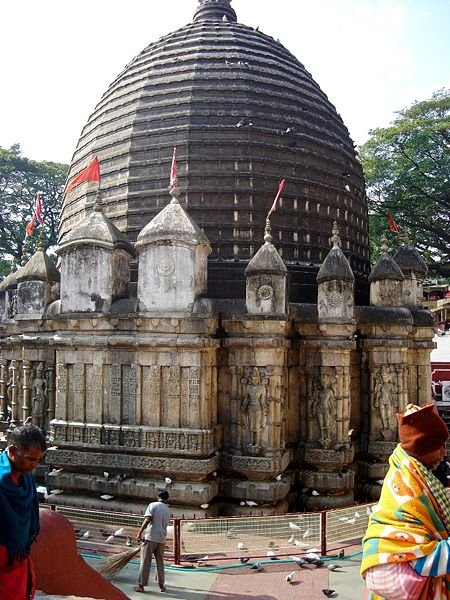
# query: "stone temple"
{"points": [[187, 342]]}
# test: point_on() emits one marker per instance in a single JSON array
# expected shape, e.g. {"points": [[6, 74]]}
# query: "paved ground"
{"points": [[244, 584]]}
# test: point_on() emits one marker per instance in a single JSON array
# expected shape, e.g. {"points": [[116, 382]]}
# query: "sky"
{"points": [[371, 57]]}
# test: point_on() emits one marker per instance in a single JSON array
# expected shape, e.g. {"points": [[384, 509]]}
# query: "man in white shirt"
{"points": [[152, 534]]}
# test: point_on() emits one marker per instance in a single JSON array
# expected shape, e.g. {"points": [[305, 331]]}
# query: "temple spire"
{"points": [[215, 10]]}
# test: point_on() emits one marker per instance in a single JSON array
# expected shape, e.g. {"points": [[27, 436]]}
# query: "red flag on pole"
{"points": [[173, 171], [274, 205], [90, 173], [391, 223], [38, 211]]}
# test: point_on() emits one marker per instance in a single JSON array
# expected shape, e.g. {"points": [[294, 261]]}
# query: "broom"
{"points": [[111, 565]]}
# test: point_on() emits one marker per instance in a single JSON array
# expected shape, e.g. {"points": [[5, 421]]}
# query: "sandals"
{"points": [[138, 588]]}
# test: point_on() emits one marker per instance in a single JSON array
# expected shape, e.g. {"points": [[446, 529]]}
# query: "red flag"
{"points": [[90, 173], [38, 210], [391, 223], [274, 205], [30, 227], [173, 171]]}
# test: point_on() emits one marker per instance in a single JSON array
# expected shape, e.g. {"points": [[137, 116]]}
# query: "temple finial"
{"points": [[335, 238], [215, 10], [267, 234], [383, 244]]}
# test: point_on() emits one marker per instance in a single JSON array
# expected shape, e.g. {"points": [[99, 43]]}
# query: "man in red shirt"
{"points": [[19, 511]]}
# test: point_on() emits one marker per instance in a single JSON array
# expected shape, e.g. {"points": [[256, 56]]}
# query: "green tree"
{"points": [[407, 168], [20, 180]]}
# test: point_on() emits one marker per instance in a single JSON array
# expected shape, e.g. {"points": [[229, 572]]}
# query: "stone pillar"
{"points": [[13, 393], [386, 280], [3, 389], [26, 390], [51, 391]]}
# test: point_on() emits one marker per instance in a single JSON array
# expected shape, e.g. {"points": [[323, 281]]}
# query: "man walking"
{"points": [[19, 511], [152, 534]]}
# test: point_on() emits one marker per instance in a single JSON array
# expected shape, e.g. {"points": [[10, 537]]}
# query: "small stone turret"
{"points": [[386, 279], [37, 285], [335, 281], [414, 270], [266, 280], [173, 254], [95, 264], [8, 294]]}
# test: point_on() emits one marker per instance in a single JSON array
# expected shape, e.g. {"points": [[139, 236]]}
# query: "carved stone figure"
{"points": [[255, 408], [324, 406], [39, 397], [385, 401]]}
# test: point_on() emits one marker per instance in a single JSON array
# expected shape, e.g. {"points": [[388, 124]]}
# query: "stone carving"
{"points": [[39, 397], [12, 304], [255, 410], [166, 271], [385, 401], [323, 406]]}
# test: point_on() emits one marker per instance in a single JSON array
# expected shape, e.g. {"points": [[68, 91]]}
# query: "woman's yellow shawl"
{"points": [[407, 525]]}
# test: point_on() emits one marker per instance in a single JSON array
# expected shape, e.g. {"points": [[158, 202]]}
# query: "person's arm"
{"points": [[435, 564], [144, 526]]}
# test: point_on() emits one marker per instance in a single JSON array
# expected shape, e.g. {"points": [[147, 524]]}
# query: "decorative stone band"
{"points": [[256, 466], [151, 440], [327, 458], [121, 461]]}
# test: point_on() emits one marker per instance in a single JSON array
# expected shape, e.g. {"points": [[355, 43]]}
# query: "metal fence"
{"points": [[236, 537]]}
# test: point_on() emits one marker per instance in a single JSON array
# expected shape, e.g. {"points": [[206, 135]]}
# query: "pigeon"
{"points": [[291, 540], [347, 187], [106, 474], [290, 577], [256, 567], [351, 521], [167, 481], [225, 19], [341, 554], [109, 539], [241, 546], [230, 534], [271, 555], [294, 526], [86, 534], [201, 561], [128, 542], [204, 506], [120, 531], [106, 497], [357, 515], [278, 477], [306, 534], [244, 559], [328, 593], [251, 503], [380, 481], [334, 567], [350, 432], [56, 492], [298, 561], [311, 557], [368, 511], [241, 503], [315, 493]]}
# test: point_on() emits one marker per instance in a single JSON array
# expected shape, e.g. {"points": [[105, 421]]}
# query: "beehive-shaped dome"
{"points": [[243, 113]]}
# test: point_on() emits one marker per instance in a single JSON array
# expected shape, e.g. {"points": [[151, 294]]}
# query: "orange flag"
{"points": [[90, 173], [30, 227], [173, 171], [274, 205], [391, 223]]}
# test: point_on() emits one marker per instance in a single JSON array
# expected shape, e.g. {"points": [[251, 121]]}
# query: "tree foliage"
{"points": [[20, 180], [407, 167]]}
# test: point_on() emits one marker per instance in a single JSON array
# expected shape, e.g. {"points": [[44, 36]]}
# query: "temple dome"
{"points": [[243, 113]]}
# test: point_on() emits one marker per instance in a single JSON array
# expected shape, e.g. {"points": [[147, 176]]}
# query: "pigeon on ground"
{"points": [[306, 534], [294, 526], [241, 546], [167, 481], [341, 554], [109, 539], [328, 593], [244, 559], [290, 577], [271, 555], [256, 567], [119, 532], [298, 560], [334, 567], [86, 534]]}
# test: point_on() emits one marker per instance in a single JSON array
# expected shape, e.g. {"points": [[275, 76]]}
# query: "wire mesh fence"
{"points": [[234, 537]]}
